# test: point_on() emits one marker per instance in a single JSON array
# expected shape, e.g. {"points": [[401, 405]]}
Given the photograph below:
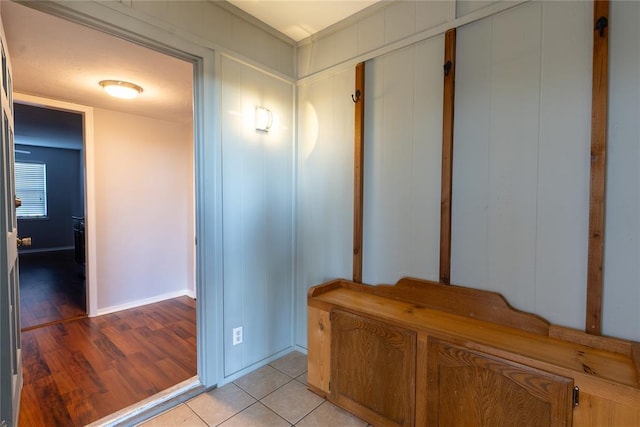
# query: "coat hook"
{"points": [[357, 97], [447, 68], [601, 24]]}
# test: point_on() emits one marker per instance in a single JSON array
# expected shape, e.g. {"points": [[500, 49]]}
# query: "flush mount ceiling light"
{"points": [[121, 89]]}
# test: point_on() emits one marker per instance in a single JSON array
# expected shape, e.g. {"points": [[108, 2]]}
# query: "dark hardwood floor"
{"points": [[79, 371], [52, 288]]}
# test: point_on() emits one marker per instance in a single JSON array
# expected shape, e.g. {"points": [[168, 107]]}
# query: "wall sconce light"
{"points": [[264, 119], [121, 89]]}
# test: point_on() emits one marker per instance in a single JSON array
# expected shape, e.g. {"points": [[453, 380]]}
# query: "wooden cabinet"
{"points": [[472, 389], [425, 354], [373, 368]]}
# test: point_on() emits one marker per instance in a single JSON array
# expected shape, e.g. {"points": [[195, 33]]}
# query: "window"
{"points": [[31, 189]]}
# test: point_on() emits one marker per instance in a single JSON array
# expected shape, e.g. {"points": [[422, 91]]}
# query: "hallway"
{"points": [[52, 288]]}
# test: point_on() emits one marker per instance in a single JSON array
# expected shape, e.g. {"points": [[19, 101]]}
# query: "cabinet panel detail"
{"points": [[423, 354], [470, 388], [373, 369]]}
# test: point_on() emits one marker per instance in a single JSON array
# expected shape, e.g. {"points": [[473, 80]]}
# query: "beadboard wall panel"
{"points": [[371, 30], [563, 163], [621, 301], [403, 149], [257, 215], [324, 187], [521, 157]]}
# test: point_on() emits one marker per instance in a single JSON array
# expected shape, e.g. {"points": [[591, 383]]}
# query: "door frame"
{"points": [[89, 186], [128, 24]]}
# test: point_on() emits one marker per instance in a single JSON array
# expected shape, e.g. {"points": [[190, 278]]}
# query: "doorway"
{"points": [[122, 201], [49, 172], [139, 156]]}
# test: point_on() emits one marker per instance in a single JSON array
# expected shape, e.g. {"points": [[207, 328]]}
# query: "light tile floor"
{"points": [[272, 396]]}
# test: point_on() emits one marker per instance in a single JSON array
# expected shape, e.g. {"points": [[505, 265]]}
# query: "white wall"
{"points": [[521, 158], [403, 157], [324, 227], [257, 215], [403, 109], [621, 313], [144, 208]]}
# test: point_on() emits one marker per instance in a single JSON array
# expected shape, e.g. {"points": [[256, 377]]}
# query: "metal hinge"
{"points": [[576, 396]]}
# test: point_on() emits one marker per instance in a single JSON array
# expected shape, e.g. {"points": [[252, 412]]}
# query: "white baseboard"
{"points": [[141, 302], [191, 293]]}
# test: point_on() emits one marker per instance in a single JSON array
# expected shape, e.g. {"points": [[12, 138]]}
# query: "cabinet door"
{"points": [[373, 369], [470, 388]]}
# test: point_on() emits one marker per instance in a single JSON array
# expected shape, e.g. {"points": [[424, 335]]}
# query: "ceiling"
{"points": [[299, 19], [54, 58]]}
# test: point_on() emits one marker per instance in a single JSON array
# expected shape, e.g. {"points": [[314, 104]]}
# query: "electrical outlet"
{"points": [[237, 335]]}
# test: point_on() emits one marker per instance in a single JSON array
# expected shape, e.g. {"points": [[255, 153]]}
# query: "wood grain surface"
{"points": [[595, 275], [80, 371], [358, 174], [448, 113]]}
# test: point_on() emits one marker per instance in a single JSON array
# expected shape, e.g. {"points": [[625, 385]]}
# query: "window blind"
{"points": [[31, 189]]}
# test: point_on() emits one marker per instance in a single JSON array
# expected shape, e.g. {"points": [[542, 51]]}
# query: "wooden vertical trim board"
{"points": [[447, 154], [358, 169], [598, 170]]}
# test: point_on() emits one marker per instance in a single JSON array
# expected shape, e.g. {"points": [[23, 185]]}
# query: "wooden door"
{"points": [[373, 369], [472, 389], [10, 359]]}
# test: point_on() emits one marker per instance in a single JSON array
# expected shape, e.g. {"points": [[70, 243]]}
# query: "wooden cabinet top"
{"points": [[485, 321]]}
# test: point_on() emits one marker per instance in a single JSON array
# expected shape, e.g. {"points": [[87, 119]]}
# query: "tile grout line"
{"points": [[189, 407], [258, 402], [282, 372], [301, 418], [280, 416], [229, 417], [271, 392], [309, 413], [299, 382]]}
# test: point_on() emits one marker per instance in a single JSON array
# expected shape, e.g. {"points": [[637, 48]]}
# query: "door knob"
{"points": [[18, 202], [24, 242]]}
